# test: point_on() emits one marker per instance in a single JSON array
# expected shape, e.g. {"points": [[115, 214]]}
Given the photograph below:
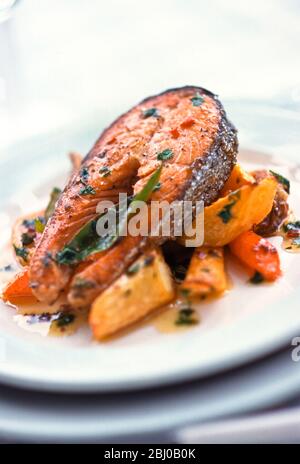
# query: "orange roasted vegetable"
{"points": [[258, 254], [18, 289], [237, 179], [237, 212]]}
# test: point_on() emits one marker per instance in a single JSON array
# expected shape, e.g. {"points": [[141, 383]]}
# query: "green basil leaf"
{"points": [[52, 202], [88, 242], [146, 191], [185, 317]]}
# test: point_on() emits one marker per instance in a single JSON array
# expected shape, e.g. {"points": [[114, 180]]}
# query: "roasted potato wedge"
{"points": [[146, 286], [257, 254], [237, 179], [206, 273], [237, 212]]}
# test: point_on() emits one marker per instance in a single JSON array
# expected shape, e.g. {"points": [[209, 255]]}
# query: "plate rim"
{"points": [[268, 393]]}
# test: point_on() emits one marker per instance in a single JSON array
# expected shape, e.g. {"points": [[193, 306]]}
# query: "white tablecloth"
{"points": [[69, 59]]}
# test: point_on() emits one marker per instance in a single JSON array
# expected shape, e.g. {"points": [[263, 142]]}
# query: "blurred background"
{"points": [[66, 61]]}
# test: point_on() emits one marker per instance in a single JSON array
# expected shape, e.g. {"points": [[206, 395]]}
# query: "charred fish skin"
{"points": [[212, 171]]}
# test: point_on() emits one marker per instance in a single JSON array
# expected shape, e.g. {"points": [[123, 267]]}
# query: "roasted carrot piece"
{"points": [[258, 254], [18, 288]]}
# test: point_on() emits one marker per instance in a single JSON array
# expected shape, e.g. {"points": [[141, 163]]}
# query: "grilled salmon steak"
{"points": [[187, 130]]}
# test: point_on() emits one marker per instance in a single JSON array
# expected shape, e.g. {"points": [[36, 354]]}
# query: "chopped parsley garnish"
{"points": [[39, 224], [197, 100], [282, 180], [65, 319], [133, 269], [185, 317], [150, 112], [105, 171], [257, 278], [226, 214], [21, 252], [84, 174], [66, 256], [87, 190], [165, 155], [52, 202]]}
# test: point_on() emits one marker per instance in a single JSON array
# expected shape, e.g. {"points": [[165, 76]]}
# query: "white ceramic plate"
{"points": [[246, 323], [155, 416]]}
